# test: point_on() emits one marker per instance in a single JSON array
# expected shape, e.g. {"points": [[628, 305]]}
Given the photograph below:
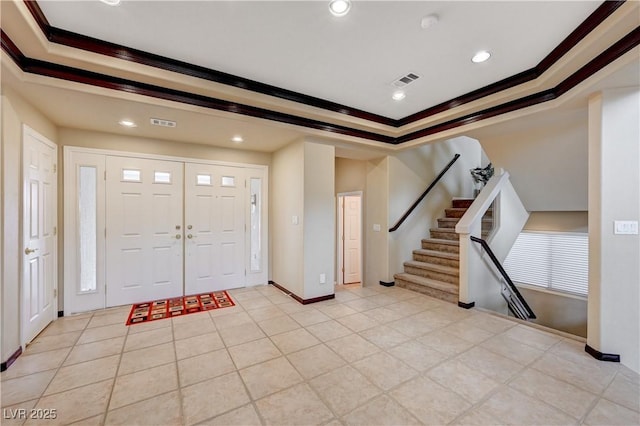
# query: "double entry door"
{"points": [[172, 228]]}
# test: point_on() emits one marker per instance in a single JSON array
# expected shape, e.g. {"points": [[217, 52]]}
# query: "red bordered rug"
{"points": [[169, 308]]}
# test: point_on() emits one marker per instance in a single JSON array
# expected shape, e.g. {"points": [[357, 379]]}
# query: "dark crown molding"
{"points": [[71, 39]]}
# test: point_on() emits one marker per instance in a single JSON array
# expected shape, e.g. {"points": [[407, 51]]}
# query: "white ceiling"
{"points": [[298, 45]]}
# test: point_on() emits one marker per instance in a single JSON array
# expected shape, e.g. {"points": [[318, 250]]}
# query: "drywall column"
{"points": [[614, 195], [376, 254]]}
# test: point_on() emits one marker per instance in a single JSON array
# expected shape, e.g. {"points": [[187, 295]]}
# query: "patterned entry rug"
{"points": [[169, 308]]}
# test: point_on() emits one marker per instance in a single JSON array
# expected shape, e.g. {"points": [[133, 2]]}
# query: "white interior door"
{"points": [[144, 252], [39, 278], [352, 239], [215, 228]]}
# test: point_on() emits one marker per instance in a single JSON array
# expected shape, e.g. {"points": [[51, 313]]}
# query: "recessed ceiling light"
{"points": [[398, 95], [481, 56], [237, 139], [339, 7], [429, 21], [111, 2], [127, 123]]}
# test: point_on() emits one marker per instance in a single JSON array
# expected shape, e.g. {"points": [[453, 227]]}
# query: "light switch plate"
{"points": [[625, 227], [376, 227]]}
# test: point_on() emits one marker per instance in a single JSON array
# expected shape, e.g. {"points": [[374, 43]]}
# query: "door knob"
{"points": [[178, 236], [29, 251], [189, 236], [189, 226]]}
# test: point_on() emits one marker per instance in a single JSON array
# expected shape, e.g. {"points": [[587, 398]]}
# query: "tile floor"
{"points": [[372, 356]]}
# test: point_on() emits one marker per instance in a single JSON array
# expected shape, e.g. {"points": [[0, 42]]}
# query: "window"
{"points": [[203, 180], [87, 223], [129, 175], [162, 177], [556, 261], [228, 181]]}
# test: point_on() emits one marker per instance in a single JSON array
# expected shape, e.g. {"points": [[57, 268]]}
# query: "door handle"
{"points": [[29, 251], [190, 236], [178, 236]]}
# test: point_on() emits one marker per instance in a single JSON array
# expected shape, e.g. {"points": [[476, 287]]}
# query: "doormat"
{"points": [[169, 308]]}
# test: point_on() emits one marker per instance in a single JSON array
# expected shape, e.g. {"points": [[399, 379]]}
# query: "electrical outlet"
{"points": [[323, 278], [376, 227], [294, 220], [625, 227]]}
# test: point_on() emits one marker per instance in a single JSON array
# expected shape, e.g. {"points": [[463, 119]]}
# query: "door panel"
{"points": [[39, 281], [352, 245], [215, 219], [144, 230]]}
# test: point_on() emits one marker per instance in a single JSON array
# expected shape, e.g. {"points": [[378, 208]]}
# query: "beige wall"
{"points": [[376, 254], [15, 113], [351, 175], [577, 221], [614, 270], [548, 164], [557, 311]]}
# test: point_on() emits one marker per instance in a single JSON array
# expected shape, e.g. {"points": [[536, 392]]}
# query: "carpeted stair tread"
{"points": [[441, 241], [437, 253], [427, 282], [432, 267]]}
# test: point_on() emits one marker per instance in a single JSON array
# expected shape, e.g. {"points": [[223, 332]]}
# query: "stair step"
{"points": [[449, 246], [435, 272], [437, 257], [444, 233], [434, 288], [455, 211], [451, 222], [462, 202]]}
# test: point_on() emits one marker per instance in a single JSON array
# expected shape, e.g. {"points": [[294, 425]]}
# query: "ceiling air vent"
{"points": [[163, 123], [405, 79]]}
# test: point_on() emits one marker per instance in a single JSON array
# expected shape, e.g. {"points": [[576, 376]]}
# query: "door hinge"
{"points": [[55, 168], [55, 231], [55, 292]]}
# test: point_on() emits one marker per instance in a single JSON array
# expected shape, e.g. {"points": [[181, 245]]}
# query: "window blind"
{"points": [[556, 261]]}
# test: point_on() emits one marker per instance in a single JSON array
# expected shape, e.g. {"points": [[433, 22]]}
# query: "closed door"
{"points": [[39, 279], [352, 239], [144, 222], [215, 228]]}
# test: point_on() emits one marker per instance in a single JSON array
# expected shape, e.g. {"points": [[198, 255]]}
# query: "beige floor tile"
{"points": [[512, 407], [143, 359], [413, 326], [568, 398], [532, 337], [444, 342], [294, 340], [593, 377], [15, 415], [316, 360], [77, 404], [352, 347], [269, 377], [609, 413], [294, 406], [246, 293], [292, 306], [25, 388], [123, 309], [50, 343], [336, 311], [143, 385], [467, 332], [384, 337], [243, 416], [384, 370], [108, 319], [454, 312], [91, 421], [95, 350], [241, 334], [382, 299], [223, 312], [29, 364], [477, 417], [344, 389], [430, 402], [268, 312], [66, 325], [465, 381], [255, 303], [208, 399], [417, 355], [381, 411], [328, 330], [624, 391], [84, 373], [490, 364], [358, 322], [383, 315], [102, 333], [253, 352], [309, 316], [160, 410], [425, 302], [405, 307], [148, 338], [361, 305], [490, 323], [198, 345], [512, 349], [434, 319], [205, 367], [143, 327], [364, 291], [278, 325], [344, 296], [193, 328], [277, 299]]}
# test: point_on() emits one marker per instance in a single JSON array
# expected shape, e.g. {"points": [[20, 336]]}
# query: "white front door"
{"points": [[144, 230], [352, 239], [39, 277], [215, 203]]}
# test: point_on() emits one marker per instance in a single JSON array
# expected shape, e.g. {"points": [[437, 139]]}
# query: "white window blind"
{"points": [[557, 261]]}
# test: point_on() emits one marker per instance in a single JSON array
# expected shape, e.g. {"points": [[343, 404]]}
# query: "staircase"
{"points": [[434, 269]]}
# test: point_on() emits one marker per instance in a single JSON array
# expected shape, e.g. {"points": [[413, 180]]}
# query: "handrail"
{"points": [[529, 313], [482, 202], [424, 194]]}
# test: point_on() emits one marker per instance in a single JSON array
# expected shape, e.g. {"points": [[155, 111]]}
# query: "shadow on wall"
{"points": [[563, 313]]}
